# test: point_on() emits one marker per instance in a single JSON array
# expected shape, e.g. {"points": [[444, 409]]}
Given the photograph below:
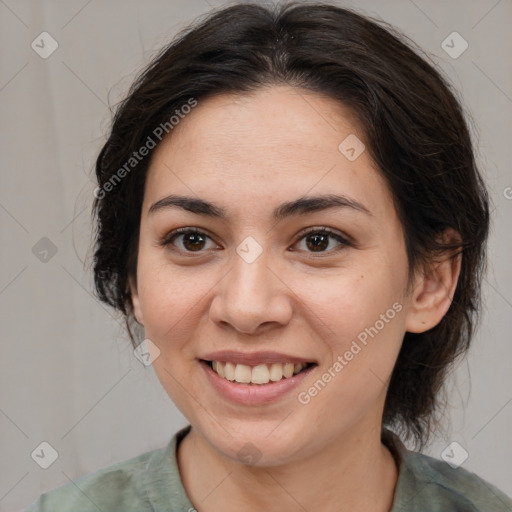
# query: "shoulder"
{"points": [[120, 486], [425, 483], [435, 483]]}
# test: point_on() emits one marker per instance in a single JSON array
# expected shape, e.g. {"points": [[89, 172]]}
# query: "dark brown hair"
{"points": [[413, 124]]}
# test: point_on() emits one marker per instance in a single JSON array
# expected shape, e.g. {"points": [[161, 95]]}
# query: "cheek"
{"points": [[364, 312], [351, 300], [170, 297]]}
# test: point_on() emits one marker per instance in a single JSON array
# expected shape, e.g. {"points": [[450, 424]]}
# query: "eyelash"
{"points": [[170, 237]]}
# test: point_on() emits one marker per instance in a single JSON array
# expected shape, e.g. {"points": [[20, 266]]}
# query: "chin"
{"points": [[258, 444]]}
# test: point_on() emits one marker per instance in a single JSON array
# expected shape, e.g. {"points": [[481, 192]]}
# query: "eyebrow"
{"points": [[300, 206]]}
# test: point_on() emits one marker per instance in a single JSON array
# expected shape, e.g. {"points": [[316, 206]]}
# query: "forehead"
{"points": [[278, 142], [277, 118]]}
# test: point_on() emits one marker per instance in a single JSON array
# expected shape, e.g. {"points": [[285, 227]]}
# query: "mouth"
{"points": [[259, 374]]}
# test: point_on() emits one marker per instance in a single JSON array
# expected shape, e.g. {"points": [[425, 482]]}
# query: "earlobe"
{"points": [[433, 292], [137, 311]]}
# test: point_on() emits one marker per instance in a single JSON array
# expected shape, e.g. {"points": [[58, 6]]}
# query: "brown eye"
{"points": [[190, 240], [193, 241], [319, 240]]}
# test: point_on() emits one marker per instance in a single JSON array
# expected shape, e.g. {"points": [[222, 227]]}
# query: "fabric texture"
{"points": [[151, 482]]}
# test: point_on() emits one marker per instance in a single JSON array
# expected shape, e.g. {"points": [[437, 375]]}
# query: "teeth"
{"points": [[276, 372], [288, 370], [298, 367], [243, 373], [259, 374], [229, 371]]}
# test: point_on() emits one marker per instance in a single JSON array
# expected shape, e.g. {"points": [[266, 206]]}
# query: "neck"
{"points": [[355, 472]]}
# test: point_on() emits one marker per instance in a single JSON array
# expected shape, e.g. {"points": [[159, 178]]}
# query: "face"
{"points": [[262, 284]]}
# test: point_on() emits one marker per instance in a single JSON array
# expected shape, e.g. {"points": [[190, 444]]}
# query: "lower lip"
{"points": [[253, 394]]}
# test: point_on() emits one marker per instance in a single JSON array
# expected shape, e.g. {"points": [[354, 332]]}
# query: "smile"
{"points": [[258, 374]]}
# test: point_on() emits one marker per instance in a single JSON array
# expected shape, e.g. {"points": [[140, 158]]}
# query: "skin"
{"points": [[249, 154]]}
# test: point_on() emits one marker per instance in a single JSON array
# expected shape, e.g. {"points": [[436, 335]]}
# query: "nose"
{"points": [[252, 297]]}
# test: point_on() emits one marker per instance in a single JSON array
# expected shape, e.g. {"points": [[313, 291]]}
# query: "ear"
{"points": [[434, 288], [137, 310]]}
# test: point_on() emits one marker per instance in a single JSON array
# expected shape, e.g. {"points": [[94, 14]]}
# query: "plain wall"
{"points": [[68, 374]]}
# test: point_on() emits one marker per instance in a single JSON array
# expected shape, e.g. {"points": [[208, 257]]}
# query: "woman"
{"points": [[288, 204]]}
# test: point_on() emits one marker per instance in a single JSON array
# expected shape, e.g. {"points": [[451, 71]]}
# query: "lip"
{"points": [[253, 394], [254, 358]]}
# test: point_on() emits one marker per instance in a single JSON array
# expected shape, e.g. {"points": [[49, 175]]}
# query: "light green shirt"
{"points": [[151, 482]]}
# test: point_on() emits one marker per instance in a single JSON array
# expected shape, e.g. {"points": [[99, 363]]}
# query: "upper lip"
{"points": [[254, 358]]}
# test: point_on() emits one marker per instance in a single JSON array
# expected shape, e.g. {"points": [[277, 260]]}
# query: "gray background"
{"points": [[68, 374]]}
